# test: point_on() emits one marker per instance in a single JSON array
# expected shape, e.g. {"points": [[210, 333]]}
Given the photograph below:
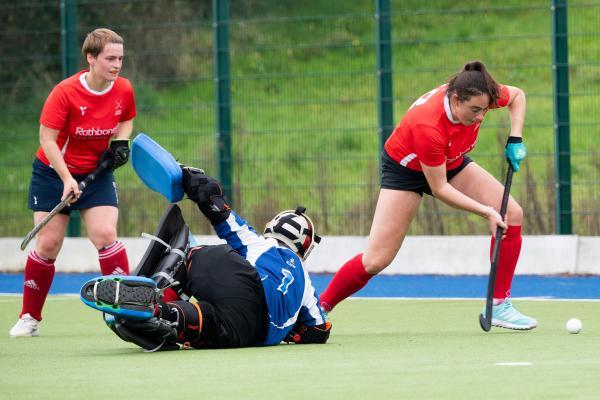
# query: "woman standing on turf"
{"points": [[426, 154], [79, 118]]}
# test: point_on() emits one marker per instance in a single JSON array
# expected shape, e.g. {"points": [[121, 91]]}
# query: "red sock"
{"points": [[39, 273], [113, 259], [510, 248], [348, 280]]}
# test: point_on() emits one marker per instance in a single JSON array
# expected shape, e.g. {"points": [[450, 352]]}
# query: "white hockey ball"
{"points": [[574, 325]]}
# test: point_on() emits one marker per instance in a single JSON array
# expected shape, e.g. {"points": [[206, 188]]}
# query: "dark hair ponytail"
{"points": [[473, 80]]}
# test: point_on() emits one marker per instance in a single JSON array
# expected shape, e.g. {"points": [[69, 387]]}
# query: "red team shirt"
{"points": [[85, 119], [428, 134]]}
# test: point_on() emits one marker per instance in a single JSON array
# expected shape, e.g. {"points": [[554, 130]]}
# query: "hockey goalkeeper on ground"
{"points": [[251, 291]]}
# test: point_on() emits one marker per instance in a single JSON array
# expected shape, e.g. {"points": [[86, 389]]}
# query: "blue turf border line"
{"points": [[392, 286]]}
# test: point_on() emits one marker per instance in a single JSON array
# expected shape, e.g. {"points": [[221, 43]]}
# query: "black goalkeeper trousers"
{"points": [[230, 295]]}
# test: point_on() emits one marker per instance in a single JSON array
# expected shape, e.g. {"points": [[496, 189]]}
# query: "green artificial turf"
{"points": [[379, 349]]}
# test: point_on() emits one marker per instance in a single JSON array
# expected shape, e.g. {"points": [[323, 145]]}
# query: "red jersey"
{"points": [[428, 134], [86, 119]]}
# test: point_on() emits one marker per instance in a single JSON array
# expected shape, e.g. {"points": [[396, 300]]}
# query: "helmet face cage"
{"points": [[295, 229]]}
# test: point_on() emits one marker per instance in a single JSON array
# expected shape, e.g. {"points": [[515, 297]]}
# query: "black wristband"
{"points": [[118, 143]]}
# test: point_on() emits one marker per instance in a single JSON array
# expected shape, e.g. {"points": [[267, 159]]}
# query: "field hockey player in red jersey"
{"points": [[426, 153], [87, 119]]}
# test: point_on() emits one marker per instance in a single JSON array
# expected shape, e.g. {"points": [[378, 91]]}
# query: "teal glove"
{"points": [[515, 151]]}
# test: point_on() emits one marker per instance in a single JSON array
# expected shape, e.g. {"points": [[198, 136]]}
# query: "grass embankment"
{"points": [[304, 113]]}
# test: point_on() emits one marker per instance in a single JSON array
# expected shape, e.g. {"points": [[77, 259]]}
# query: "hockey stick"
{"points": [[486, 321], [82, 185]]}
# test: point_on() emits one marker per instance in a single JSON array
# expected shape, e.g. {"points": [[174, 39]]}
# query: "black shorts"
{"points": [[46, 187], [397, 177], [220, 276]]}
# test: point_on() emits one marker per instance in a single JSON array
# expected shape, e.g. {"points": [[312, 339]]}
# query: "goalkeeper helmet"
{"points": [[295, 229]]}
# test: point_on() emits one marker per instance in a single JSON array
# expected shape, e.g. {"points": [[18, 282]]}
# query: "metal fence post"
{"points": [[222, 88], [560, 73], [385, 96], [69, 56]]}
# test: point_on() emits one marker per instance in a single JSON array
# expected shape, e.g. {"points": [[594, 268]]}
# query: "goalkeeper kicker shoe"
{"points": [[129, 297], [505, 315], [26, 326]]}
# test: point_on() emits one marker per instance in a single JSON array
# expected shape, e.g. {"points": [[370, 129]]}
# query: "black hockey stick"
{"points": [[486, 321], [82, 185]]}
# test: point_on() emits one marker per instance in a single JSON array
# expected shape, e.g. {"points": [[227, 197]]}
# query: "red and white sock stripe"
{"points": [[113, 259], [110, 250], [41, 260]]}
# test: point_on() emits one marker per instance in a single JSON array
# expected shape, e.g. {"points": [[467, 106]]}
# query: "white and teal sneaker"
{"points": [[505, 315]]}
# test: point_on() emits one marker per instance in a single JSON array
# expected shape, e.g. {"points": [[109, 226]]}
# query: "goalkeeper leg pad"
{"points": [[111, 322], [155, 334], [130, 297], [164, 259]]}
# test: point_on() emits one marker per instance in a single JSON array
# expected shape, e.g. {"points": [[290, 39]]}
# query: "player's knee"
{"points": [[48, 245], [103, 235], [514, 214], [374, 264]]}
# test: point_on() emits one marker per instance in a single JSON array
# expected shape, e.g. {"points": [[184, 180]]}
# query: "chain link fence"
{"points": [[304, 101]]}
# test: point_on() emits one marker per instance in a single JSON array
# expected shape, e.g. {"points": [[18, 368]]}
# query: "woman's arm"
{"points": [[441, 189], [48, 142], [124, 130], [515, 150], [517, 106]]}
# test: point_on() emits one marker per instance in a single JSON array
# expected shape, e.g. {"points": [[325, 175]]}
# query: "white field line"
{"points": [[52, 297], [514, 364], [542, 298]]}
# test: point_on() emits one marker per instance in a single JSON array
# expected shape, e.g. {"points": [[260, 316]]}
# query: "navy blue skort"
{"points": [[46, 187]]}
